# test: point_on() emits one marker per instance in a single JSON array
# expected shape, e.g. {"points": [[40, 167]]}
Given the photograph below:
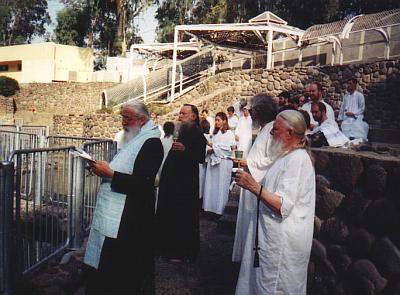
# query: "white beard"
{"points": [[276, 148], [129, 134]]}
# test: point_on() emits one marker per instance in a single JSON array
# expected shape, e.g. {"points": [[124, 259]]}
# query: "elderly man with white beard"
{"points": [[120, 245], [263, 110], [278, 244]]}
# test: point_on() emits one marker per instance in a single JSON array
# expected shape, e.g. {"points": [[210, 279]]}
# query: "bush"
{"points": [[8, 86]]}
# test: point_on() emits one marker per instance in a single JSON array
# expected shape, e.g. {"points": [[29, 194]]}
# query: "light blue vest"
{"points": [[110, 204]]}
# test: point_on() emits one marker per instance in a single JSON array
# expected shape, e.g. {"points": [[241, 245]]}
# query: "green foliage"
{"points": [[171, 13], [8, 86], [21, 20], [210, 12], [72, 26], [299, 13]]}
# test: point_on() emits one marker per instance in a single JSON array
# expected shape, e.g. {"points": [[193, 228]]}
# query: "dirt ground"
{"points": [[212, 273]]}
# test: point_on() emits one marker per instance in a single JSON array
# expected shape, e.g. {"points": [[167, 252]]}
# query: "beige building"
{"points": [[46, 62]]}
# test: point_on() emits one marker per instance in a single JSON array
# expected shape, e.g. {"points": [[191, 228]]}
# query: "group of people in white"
{"points": [[274, 226]]}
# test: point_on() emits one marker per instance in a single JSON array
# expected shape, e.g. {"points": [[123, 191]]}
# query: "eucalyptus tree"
{"points": [[22, 20]]}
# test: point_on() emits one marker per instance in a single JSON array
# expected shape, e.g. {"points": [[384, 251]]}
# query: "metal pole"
{"points": [[180, 78], [176, 33], [269, 52], [7, 257], [76, 205]]}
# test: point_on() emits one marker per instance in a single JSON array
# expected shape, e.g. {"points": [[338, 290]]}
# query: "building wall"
{"points": [[47, 62]]}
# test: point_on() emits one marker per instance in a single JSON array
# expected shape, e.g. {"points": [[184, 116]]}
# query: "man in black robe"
{"points": [[127, 262], [178, 199]]}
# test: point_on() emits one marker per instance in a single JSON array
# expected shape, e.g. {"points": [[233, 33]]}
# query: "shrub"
{"points": [[8, 86]]}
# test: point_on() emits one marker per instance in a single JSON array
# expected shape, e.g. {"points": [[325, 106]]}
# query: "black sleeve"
{"points": [[195, 146], [147, 163]]}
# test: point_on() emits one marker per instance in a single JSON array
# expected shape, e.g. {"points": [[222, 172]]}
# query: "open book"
{"points": [[78, 152]]}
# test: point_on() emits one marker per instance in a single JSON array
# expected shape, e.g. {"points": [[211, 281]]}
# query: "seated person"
{"points": [[352, 112], [327, 133]]}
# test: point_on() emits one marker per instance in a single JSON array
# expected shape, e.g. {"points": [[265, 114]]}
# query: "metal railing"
{"points": [[13, 140], [52, 199], [60, 140], [7, 271], [39, 130]]}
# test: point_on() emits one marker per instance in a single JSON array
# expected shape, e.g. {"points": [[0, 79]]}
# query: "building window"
{"points": [[19, 67], [3, 68]]}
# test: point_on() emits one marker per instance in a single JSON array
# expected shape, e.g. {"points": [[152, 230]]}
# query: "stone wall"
{"points": [[356, 247], [94, 125], [38, 102], [380, 83]]}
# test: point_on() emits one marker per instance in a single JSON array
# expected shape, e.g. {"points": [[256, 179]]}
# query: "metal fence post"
{"points": [[76, 205], [7, 257]]}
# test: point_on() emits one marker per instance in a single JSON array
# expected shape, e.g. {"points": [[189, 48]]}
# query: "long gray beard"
{"points": [[276, 149], [129, 134]]}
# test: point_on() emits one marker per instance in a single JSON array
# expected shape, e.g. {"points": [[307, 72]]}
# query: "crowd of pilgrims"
{"points": [[234, 130], [268, 140]]}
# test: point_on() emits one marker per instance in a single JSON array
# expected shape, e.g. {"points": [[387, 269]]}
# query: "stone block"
{"points": [[334, 230], [362, 277], [375, 179], [346, 171], [386, 256], [381, 217], [359, 243], [338, 257]]}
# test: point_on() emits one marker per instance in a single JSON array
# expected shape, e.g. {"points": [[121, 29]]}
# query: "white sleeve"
{"points": [[329, 112], [289, 183], [361, 104]]}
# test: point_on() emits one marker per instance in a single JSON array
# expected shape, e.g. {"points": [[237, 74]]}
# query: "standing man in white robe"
{"points": [[244, 131], [315, 91], [351, 112], [278, 263], [263, 110], [233, 119], [219, 167]]}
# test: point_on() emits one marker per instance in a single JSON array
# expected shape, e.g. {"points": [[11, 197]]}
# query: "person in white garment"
{"points": [[205, 128], [219, 167], [351, 112], [277, 263], [263, 110], [237, 106], [327, 133], [233, 119], [244, 131], [315, 92]]}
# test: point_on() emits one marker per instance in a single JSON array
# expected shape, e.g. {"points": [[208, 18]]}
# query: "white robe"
{"points": [[203, 168], [329, 111], [353, 127], [244, 130], [258, 161], [218, 175], [285, 242], [333, 135], [233, 121]]}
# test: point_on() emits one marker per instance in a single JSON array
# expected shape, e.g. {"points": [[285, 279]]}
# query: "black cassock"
{"points": [[127, 262], [177, 217]]}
